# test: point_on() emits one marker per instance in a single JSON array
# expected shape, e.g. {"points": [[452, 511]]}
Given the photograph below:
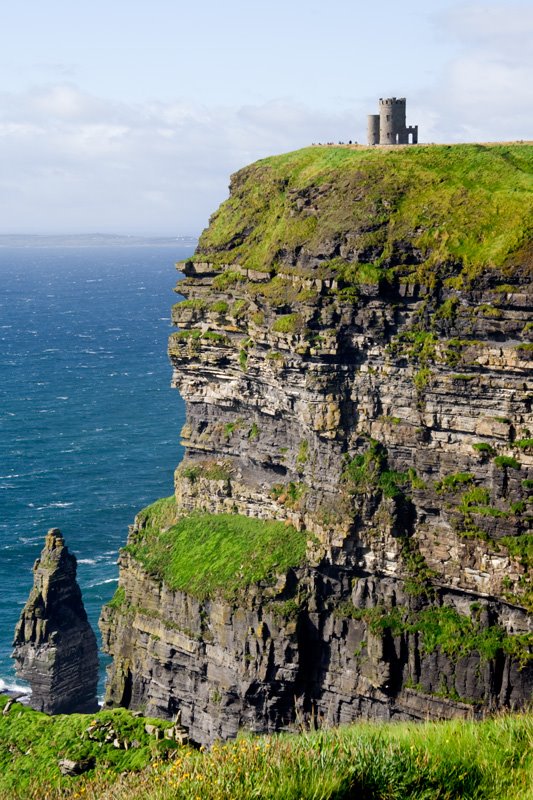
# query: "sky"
{"points": [[128, 116]]}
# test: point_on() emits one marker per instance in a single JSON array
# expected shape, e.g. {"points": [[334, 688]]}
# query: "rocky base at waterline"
{"points": [[354, 354], [55, 647]]}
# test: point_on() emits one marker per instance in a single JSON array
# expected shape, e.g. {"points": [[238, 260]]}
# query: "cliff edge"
{"points": [[350, 534]]}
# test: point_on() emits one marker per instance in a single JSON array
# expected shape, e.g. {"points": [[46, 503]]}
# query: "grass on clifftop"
{"points": [[204, 554], [490, 760], [421, 207]]}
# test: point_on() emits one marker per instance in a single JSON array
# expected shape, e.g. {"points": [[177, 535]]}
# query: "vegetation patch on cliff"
{"points": [[209, 554], [419, 210], [445, 629]]}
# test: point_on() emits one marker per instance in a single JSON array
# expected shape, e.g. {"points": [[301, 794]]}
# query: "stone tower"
{"points": [[389, 126], [55, 646]]}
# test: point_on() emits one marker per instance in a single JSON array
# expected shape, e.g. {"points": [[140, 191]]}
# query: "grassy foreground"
{"points": [[32, 744], [490, 760]]}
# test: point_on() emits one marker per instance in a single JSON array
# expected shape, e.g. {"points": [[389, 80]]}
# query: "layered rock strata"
{"points": [[362, 379], [55, 646]]}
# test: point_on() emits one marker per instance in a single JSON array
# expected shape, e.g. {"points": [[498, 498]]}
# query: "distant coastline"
{"points": [[94, 240]]}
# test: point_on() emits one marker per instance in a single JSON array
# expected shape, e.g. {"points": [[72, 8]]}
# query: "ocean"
{"points": [[89, 427]]}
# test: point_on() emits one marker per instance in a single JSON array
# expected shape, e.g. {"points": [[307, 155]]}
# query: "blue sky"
{"points": [[129, 117]]}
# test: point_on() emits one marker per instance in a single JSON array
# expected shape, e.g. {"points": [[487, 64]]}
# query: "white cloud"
{"points": [[510, 24], [485, 93], [74, 162]]}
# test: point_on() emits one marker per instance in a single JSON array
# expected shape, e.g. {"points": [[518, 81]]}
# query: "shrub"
{"points": [[450, 483], [476, 496], [507, 461], [422, 379], [219, 306], [369, 470], [253, 433], [118, 599], [303, 454], [287, 323], [227, 279], [243, 359], [484, 447]]}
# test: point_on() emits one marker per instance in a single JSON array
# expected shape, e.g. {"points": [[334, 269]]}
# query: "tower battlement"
{"points": [[389, 126], [391, 101]]}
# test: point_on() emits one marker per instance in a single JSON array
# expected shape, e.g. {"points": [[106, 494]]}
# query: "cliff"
{"points": [[55, 646], [350, 531]]}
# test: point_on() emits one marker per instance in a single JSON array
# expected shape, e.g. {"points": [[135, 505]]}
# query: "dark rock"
{"points": [[69, 767], [55, 646]]}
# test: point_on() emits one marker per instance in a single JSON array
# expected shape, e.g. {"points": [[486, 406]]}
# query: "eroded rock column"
{"points": [[55, 646]]}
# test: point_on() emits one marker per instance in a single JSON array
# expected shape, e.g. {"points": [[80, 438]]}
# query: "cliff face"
{"points": [[55, 646], [354, 355]]}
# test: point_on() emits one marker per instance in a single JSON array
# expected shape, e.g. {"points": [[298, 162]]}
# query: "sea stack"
{"points": [[55, 646]]}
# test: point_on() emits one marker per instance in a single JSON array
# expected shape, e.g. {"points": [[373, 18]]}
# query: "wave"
{"points": [[101, 583], [57, 504], [10, 686], [86, 561]]}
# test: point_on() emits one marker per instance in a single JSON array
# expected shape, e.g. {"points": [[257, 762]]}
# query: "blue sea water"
{"points": [[89, 427]]}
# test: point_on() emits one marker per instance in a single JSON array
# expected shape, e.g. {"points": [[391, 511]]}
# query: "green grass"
{"points": [[456, 634], [288, 323], [521, 547], [418, 346], [303, 454], [253, 433], [455, 481], [219, 307], [195, 334], [507, 461], [119, 598], [32, 743], [484, 447], [208, 554], [476, 496], [369, 471], [459, 760], [470, 205], [159, 515]]}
